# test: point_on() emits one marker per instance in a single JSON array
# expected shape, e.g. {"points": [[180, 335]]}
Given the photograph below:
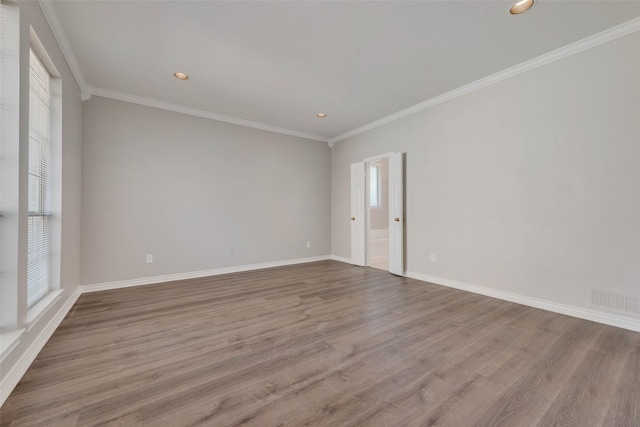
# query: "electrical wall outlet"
{"points": [[433, 257], [232, 251], [308, 244], [149, 258]]}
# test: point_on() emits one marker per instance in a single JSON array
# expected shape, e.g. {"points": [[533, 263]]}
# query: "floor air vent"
{"points": [[613, 302]]}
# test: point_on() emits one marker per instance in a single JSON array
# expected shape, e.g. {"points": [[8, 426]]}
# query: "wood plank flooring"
{"points": [[324, 344]]}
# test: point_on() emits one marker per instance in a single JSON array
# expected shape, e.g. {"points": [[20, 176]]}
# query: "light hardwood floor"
{"points": [[324, 344]]}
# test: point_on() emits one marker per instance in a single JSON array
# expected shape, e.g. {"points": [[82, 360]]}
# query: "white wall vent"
{"points": [[615, 302]]}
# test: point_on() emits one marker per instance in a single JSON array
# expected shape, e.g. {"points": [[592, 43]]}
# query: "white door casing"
{"points": [[396, 214], [358, 213]]}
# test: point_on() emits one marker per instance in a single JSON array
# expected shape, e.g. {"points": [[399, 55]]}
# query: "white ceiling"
{"points": [[280, 63]]}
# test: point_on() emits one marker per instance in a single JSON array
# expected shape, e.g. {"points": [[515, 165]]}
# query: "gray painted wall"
{"points": [[528, 186], [190, 190]]}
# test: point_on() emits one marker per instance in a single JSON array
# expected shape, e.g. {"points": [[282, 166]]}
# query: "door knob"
{"points": [[397, 219], [353, 218]]}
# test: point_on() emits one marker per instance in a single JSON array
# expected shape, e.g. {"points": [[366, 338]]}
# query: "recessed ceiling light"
{"points": [[521, 7], [321, 115], [181, 76]]}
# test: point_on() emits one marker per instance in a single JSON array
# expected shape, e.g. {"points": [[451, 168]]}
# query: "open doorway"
{"points": [[386, 187], [378, 214]]}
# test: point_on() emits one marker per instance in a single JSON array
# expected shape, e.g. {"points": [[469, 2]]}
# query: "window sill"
{"points": [[37, 311], [9, 341]]}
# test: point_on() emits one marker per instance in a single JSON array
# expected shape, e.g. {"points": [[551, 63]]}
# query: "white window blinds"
{"points": [[374, 186], [39, 141]]}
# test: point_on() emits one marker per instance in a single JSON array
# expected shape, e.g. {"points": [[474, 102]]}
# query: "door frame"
{"points": [[367, 208], [361, 216]]}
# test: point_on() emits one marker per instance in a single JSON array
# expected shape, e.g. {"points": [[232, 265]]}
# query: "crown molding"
{"points": [[571, 49], [86, 91], [51, 16], [555, 55], [120, 96]]}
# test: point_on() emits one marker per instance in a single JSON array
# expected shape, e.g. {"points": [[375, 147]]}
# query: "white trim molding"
{"points": [[86, 91], [378, 157], [196, 274], [134, 99], [50, 14], [555, 55], [606, 318], [40, 309], [341, 259], [14, 375], [9, 341], [569, 310], [11, 379]]}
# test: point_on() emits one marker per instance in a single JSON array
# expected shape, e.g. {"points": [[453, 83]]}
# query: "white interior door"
{"points": [[358, 213], [396, 214]]}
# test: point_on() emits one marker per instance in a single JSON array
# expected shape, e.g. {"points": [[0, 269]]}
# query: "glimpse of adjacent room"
{"points": [[378, 215]]}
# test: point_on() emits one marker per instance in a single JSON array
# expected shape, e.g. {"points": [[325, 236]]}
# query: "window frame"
{"points": [[16, 319]]}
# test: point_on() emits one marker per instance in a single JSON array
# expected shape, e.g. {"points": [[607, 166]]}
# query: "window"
{"points": [[39, 171], [374, 186], [38, 269]]}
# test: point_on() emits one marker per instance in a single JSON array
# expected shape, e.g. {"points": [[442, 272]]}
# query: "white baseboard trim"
{"points": [[196, 274], [10, 381], [341, 259], [9, 341], [35, 313], [12, 378], [569, 310]]}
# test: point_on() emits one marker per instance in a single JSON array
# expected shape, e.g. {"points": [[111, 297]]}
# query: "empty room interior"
{"points": [[314, 213]]}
